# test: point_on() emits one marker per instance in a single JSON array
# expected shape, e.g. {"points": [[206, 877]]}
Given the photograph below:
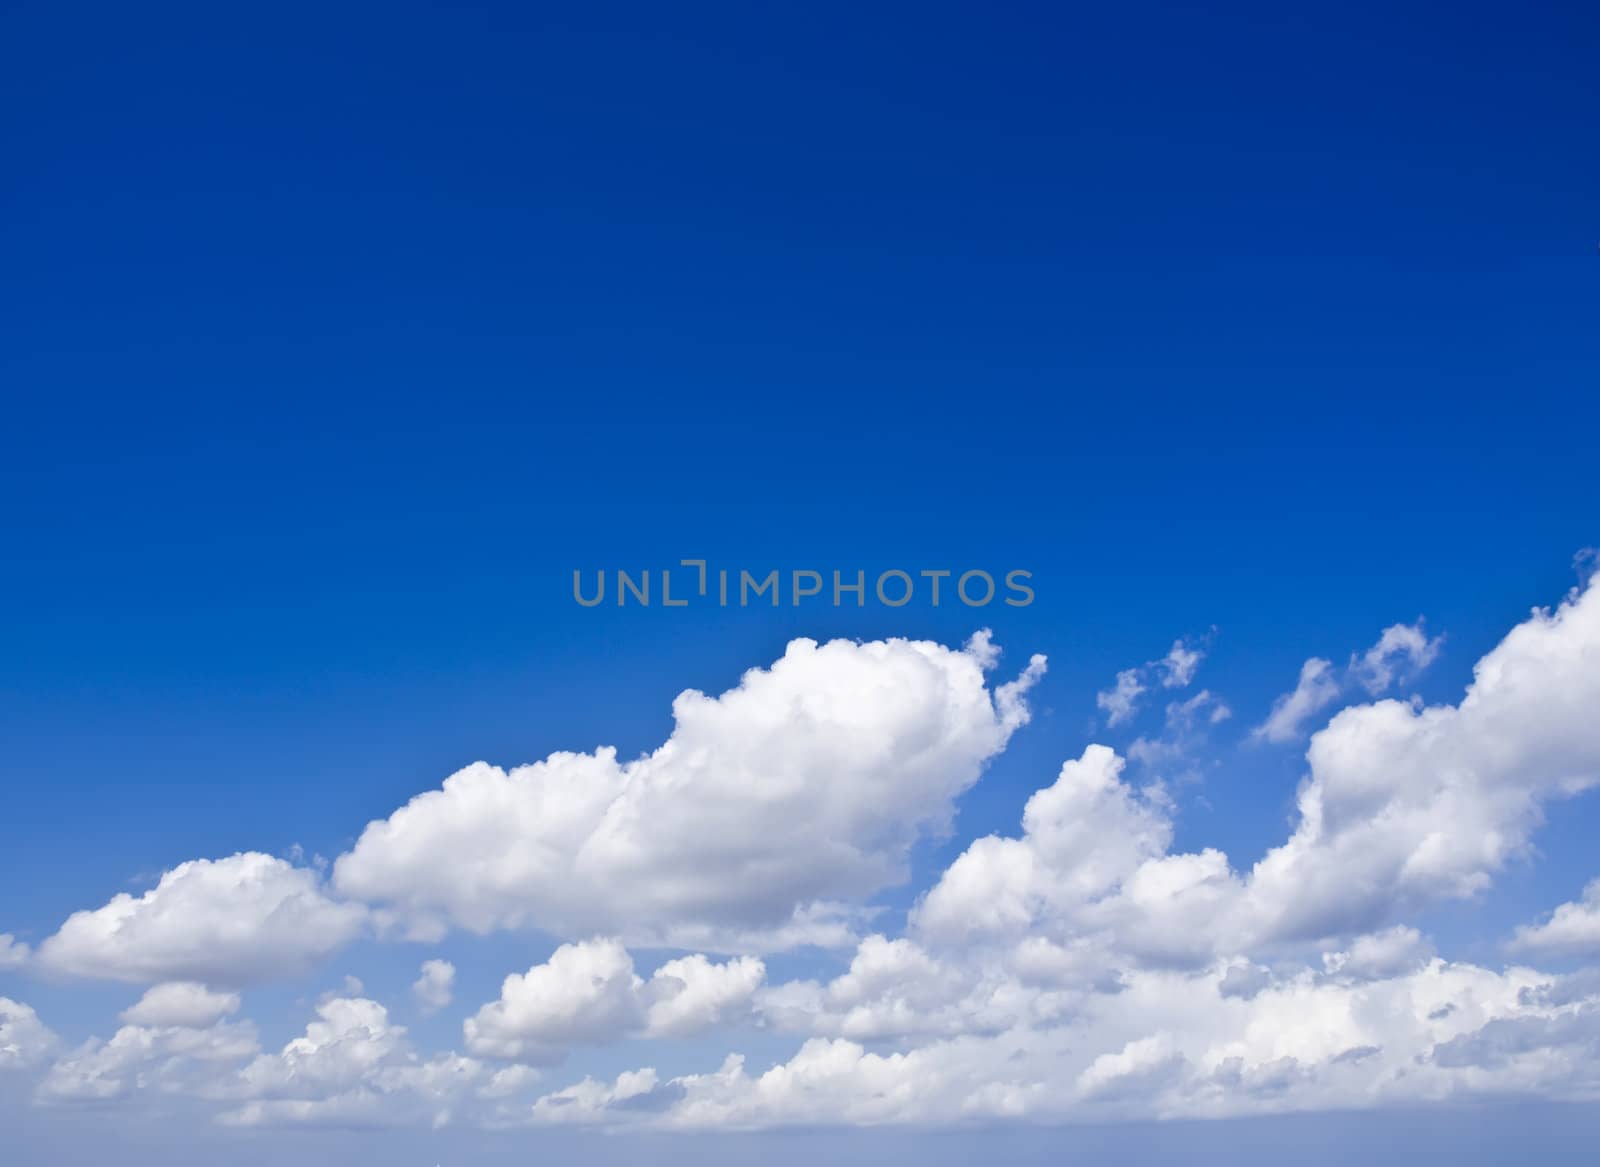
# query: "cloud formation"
{"points": [[246, 918], [1175, 670], [1572, 929], [1400, 655], [805, 785], [434, 988], [588, 994], [1079, 969]]}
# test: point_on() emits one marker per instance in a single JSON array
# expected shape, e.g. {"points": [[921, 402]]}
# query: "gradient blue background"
{"points": [[335, 338]]}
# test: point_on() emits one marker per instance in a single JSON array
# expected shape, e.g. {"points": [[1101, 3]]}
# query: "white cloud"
{"points": [[807, 783], [169, 1059], [1406, 805], [1185, 733], [1178, 667], [433, 988], [1379, 955], [181, 1004], [249, 917], [1121, 701], [896, 989], [1316, 689], [1402, 651], [592, 1101], [13, 953], [1080, 970], [24, 1039], [588, 994], [692, 994], [353, 1066], [1403, 806], [1175, 670], [1167, 1044], [1572, 927]]}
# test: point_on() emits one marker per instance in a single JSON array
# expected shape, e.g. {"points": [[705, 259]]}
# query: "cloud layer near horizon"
{"points": [[1078, 969]]}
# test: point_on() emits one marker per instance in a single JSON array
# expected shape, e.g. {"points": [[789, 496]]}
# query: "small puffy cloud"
{"points": [[1178, 667], [13, 953], [693, 994], [1316, 689], [338, 1051], [1402, 651], [588, 994], [182, 1005], [1573, 928], [805, 785], [1083, 837], [1121, 701], [24, 1039], [434, 986], [249, 917], [1175, 670]]}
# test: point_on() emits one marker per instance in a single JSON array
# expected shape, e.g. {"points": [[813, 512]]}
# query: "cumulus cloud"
{"points": [[1406, 805], [1572, 928], [354, 1066], [804, 785], [693, 994], [24, 1039], [588, 994], [434, 987], [1079, 969], [896, 989], [181, 1004], [1403, 806], [171, 1059], [249, 917], [1168, 1043]]}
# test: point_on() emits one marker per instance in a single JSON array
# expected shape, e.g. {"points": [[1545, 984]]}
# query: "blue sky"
{"points": [[336, 341]]}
